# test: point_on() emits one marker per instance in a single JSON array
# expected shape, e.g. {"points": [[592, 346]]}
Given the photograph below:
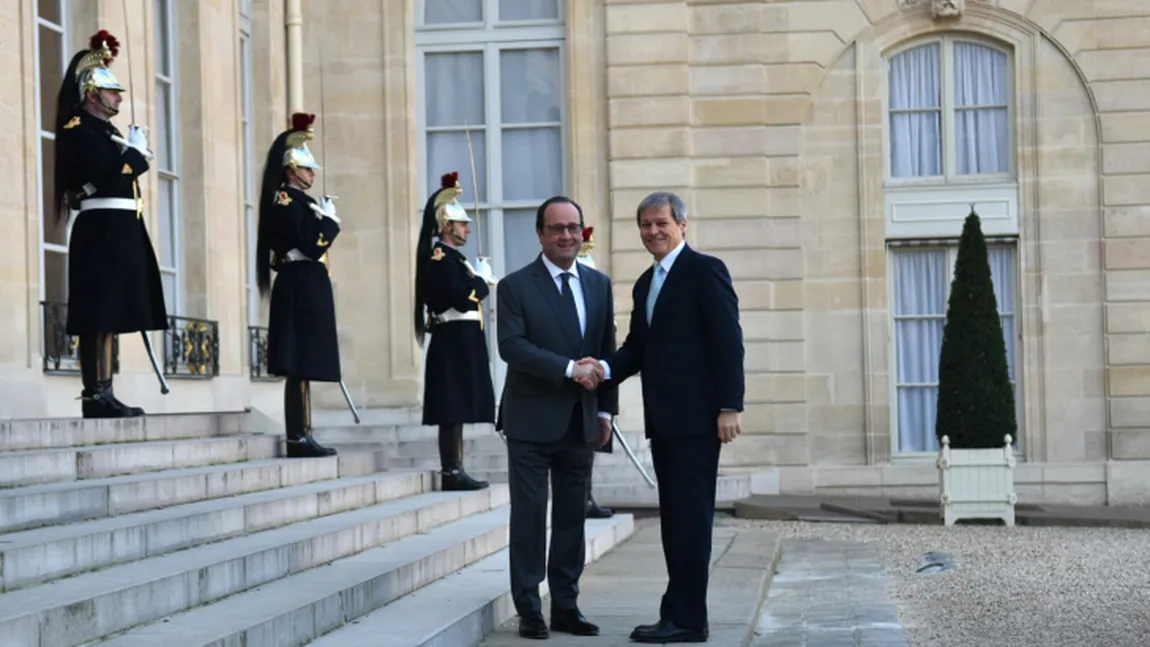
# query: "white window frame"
{"points": [[171, 175], [951, 247], [935, 207], [490, 37], [46, 138], [248, 163]]}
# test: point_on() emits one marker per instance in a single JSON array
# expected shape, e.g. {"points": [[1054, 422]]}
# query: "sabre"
{"points": [[323, 188], [474, 189], [127, 47], [155, 364], [630, 454]]}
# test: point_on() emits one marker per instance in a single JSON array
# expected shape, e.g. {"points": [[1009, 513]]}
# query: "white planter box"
{"points": [[976, 483]]}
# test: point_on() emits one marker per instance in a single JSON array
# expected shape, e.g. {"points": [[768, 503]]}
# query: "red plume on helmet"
{"points": [[302, 121], [587, 231], [102, 37], [449, 180]]}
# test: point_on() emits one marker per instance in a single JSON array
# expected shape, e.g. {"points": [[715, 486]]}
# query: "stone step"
{"points": [[34, 506], [637, 494], [390, 434], [47, 433], [302, 607], [99, 604], [479, 599], [31, 467], [36, 556]]}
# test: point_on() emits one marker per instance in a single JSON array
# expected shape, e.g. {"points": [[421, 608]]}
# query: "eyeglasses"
{"points": [[556, 230]]}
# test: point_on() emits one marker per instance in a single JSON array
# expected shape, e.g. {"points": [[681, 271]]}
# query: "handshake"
{"points": [[588, 372]]}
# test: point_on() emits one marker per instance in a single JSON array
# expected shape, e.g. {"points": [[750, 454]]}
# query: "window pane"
{"points": [[532, 163], [169, 281], [919, 305], [160, 139], [167, 224], [454, 90], [530, 80], [447, 12], [1002, 271], [163, 47], [55, 276], [520, 241], [981, 135], [55, 229], [529, 9], [50, 10], [52, 65], [447, 152], [916, 116]]}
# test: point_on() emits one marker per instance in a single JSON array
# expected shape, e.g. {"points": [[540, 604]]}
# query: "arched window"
{"points": [[949, 112]]}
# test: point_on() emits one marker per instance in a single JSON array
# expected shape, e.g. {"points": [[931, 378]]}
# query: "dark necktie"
{"points": [[569, 302]]}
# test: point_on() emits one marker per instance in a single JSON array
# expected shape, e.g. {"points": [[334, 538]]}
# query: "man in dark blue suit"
{"points": [[686, 340]]}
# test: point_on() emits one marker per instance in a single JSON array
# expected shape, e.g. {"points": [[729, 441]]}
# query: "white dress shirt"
{"points": [[576, 285]]}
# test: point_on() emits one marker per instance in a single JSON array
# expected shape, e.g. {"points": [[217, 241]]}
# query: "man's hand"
{"points": [[588, 372], [604, 431], [729, 426]]}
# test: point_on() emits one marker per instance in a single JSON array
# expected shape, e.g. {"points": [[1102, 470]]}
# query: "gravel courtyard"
{"points": [[1021, 586]]}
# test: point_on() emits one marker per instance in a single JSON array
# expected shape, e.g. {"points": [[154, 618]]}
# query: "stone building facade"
{"points": [[828, 150]]}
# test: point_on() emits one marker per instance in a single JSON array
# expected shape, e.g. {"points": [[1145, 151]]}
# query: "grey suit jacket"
{"points": [[536, 340]]}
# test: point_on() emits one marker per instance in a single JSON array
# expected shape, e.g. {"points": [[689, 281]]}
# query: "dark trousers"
{"points": [[297, 407], [569, 462], [687, 469]]}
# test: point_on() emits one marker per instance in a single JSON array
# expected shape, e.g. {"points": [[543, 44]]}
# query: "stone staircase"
{"points": [[616, 482], [186, 531]]}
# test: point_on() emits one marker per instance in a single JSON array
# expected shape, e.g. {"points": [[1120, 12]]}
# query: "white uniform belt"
{"points": [[455, 315], [123, 204]]}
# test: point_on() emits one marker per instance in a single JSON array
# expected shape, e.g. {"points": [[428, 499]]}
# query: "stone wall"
{"points": [[769, 119]]}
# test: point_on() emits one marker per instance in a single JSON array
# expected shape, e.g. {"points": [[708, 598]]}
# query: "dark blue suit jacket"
{"points": [[691, 356]]}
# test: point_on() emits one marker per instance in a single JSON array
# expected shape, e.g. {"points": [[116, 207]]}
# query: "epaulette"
{"points": [[437, 254], [283, 199]]}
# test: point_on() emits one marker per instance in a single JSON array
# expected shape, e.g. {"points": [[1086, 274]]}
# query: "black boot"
{"points": [[594, 510], [451, 461], [297, 418], [107, 360], [95, 400]]}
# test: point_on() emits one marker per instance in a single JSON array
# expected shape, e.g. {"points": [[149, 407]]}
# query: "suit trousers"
{"points": [[687, 469], [569, 463]]}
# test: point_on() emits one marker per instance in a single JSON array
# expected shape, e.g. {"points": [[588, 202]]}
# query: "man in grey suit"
{"points": [[551, 314]]}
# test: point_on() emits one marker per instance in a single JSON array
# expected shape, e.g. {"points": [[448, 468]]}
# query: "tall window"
{"points": [[248, 163], [921, 281], [165, 143], [494, 69], [53, 55], [950, 141], [949, 112]]}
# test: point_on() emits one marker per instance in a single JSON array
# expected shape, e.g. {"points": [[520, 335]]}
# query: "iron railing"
{"points": [[61, 351], [258, 354], [192, 348]]}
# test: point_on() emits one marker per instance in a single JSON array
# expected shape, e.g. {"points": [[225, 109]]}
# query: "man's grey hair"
{"points": [[664, 199]]}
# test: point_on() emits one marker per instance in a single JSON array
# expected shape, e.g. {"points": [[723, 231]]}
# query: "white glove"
{"points": [[328, 208], [138, 140], [483, 270]]}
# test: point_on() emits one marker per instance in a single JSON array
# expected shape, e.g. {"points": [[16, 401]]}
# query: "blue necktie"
{"points": [[653, 293]]}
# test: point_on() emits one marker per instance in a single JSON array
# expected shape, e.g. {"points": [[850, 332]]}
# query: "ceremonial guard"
{"points": [[457, 378], [293, 237], [113, 279], [594, 510]]}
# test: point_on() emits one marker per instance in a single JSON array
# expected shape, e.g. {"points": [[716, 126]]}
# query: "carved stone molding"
{"points": [[939, 9]]}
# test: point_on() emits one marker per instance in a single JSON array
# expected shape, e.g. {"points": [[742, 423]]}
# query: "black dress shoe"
{"points": [[307, 447], [532, 626], [459, 481], [571, 621], [596, 511], [667, 632]]}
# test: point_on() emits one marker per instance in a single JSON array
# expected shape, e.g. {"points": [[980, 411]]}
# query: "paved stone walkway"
{"points": [[623, 589], [829, 594]]}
